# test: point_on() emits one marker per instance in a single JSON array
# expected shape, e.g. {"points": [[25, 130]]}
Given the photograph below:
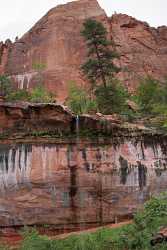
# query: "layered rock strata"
{"points": [[88, 171]]}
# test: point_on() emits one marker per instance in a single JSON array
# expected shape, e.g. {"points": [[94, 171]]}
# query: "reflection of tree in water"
{"points": [[123, 170]]}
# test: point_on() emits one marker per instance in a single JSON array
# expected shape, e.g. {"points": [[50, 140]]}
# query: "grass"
{"points": [[103, 239]]}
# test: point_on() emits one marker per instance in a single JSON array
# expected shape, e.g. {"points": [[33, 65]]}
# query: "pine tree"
{"points": [[99, 66]]}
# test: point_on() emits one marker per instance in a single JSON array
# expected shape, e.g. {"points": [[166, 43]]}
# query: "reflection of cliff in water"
{"points": [[68, 184], [15, 165]]}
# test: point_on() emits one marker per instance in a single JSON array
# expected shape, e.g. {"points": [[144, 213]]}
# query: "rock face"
{"points": [[4, 52], [55, 42], [27, 117], [142, 49], [74, 173]]}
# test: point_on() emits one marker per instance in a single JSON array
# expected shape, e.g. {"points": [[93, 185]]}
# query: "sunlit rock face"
{"points": [[56, 43], [79, 184]]}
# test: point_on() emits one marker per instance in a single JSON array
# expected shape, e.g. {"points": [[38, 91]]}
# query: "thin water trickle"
{"points": [[77, 127], [81, 218]]}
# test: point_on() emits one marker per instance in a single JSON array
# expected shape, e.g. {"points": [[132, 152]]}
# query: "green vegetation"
{"points": [[147, 223], [39, 66], [112, 98], [5, 86], [99, 66], [148, 95], [37, 95], [136, 236], [40, 94], [106, 92], [151, 98], [110, 95], [108, 99], [79, 101], [18, 95]]}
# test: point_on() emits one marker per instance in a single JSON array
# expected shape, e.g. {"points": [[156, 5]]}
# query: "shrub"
{"points": [[39, 94], [112, 98], [148, 95], [33, 241], [79, 101], [151, 97], [147, 222], [18, 95], [5, 86]]}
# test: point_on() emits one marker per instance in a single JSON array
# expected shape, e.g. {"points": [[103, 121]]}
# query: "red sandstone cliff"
{"points": [[56, 42], [142, 49]]}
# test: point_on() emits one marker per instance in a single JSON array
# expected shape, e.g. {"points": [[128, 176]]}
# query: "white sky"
{"points": [[18, 16]]}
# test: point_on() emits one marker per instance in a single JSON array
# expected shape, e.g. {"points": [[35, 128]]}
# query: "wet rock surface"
{"points": [[94, 171], [27, 117]]}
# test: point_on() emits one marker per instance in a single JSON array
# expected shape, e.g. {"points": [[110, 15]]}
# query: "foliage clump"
{"points": [[5, 86], [147, 223], [148, 95], [39, 94], [112, 98], [151, 98], [79, 100], [36, 95]]}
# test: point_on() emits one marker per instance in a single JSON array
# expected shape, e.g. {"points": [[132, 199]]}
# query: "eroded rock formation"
{"points": [[75, 173], [142, 49], [28, 117], [55, 41]]}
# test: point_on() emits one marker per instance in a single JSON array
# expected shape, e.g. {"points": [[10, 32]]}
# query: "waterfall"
{"points": [[77, 126]]}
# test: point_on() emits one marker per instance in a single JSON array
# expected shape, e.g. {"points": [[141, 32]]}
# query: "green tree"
{"points": [[19, 95], [148, 95], [99, 66], [79, 101], [5, 86], [112, 98], [147, 223], [39, 94]]}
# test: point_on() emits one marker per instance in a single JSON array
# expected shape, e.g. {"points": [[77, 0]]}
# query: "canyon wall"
{"points": [[76, 172], [142, 49], [56, 43]]}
